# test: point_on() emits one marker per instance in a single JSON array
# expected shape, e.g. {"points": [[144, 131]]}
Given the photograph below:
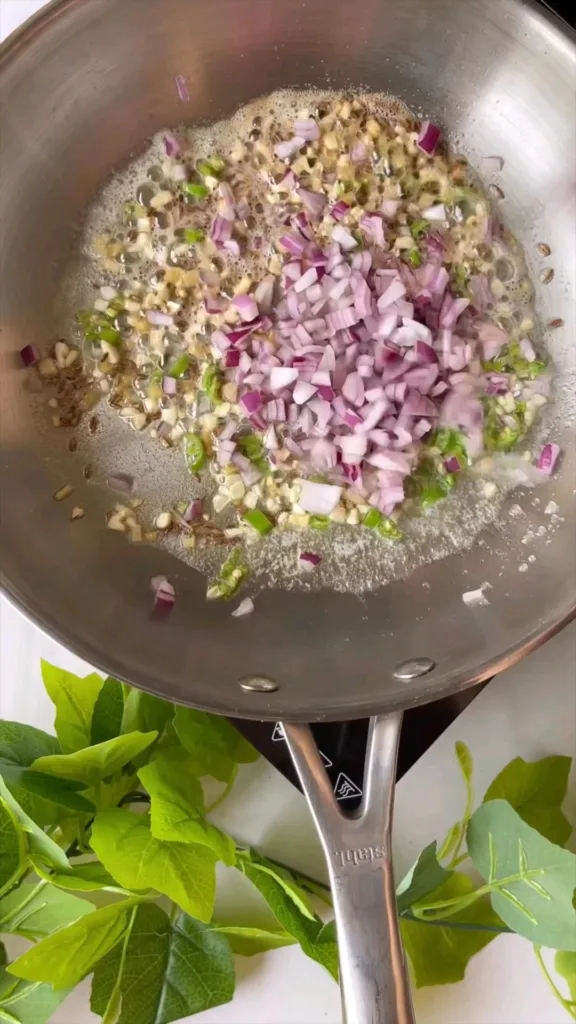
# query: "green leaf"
{"points": [[22, 744], [38, 842], [284, 878], [35, 911], [63, 792], [12, 847], [94, 764], [128, 850], [66, 957], [74, 700], [177, 805], [424, 877], [144, 712], [439, 953], [251, 941], [24, 1002], [536, 789], [167, 970], [215, 746], [565, 965], [532, 880], [317, 940], [108, 712], [87, 877]]}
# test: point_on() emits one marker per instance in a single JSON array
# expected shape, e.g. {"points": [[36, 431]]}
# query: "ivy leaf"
{"points": [[93, 764], [532, 879], [536, 789], [12, 847], [317, 940], [251, 941], [63, 792], [144, 712], [177, 805], [108, 712], [74, 700], [35, 911], [24, 1002], [64, 958], [424, 877], [126, 847], [214, 745], [22, 744], [565, 965], [164, 971], [439, 954], [38, 842]]}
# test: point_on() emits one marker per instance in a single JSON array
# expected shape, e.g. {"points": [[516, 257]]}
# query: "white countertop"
{"points": [[530, 711]]}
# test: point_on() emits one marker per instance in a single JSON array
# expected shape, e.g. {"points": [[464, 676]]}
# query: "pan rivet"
{"points": [[257, 684], [413, 669]]}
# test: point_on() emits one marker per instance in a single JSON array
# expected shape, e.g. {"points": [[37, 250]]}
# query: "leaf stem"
{"points": [[459, 903], [114, 1003], [18, 910], [440, 922], [569, 1006], [226, 792]]}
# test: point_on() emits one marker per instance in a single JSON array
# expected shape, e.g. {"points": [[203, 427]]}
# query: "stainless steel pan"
{"points": [[83, 85]]}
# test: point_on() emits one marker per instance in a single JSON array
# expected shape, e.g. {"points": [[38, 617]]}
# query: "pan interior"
{"points": [[83, 87]]}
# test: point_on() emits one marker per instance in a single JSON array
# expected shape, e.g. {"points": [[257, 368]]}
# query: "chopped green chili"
{"points": [[231, 575], [98, 327], [195, 190], [211, 384], [179, 367], [258, 521], [212, 167], [419, 228], [195, 452], [319, 522], [375, 520], [414, 258], [193, 235]]}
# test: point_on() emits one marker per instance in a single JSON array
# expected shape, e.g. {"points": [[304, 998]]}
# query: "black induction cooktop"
{"points": [[343, 744]]}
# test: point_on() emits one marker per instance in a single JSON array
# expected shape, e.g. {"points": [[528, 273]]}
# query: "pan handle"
{"points": [[373, 976]]}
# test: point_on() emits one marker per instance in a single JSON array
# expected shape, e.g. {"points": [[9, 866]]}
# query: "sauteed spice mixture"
{"points": [[379, 345]]}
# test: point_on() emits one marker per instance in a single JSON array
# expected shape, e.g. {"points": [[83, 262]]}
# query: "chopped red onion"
{"points": [[194, 511], [246, 607], [30, 355], [548, 458], [251, 401], [339, 210], [303, 391], [246, 306], [284, 150], [282, 376], [172, 146], [428, 137], [182, 88], [313, 201], [318, 499], [159, 319], [452, 465], [169, 385], [308, 561], [433, 213], [344, 238], [527, 350]]}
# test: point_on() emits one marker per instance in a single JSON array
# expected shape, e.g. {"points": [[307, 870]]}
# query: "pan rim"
{"points": [[450, 682]]}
